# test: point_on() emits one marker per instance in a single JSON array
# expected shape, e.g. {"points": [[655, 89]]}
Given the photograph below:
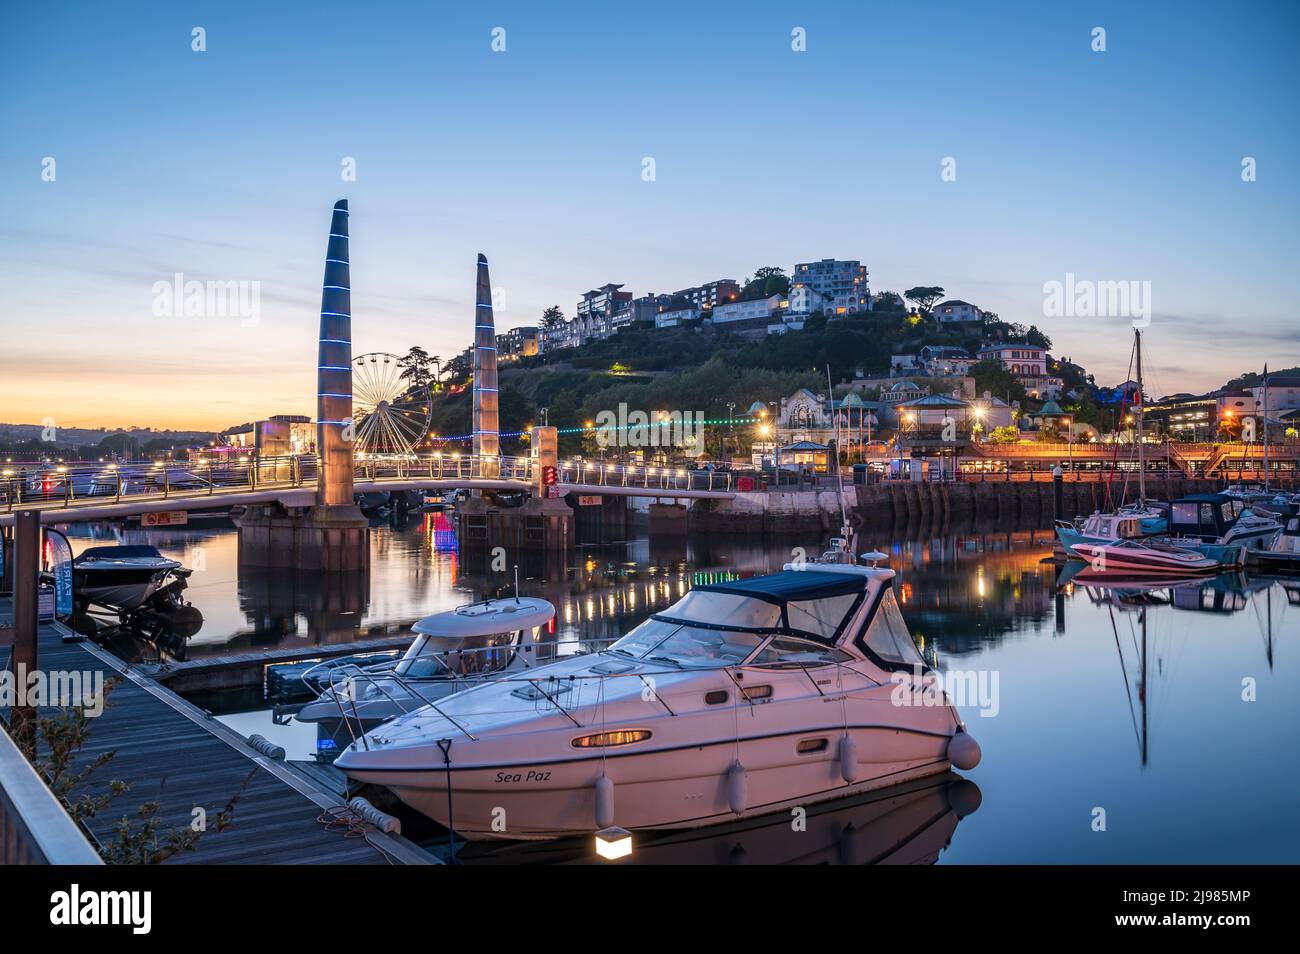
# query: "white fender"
{"points": [[963, 750], [381, 820], [737, 788], [604, 802], [848, 758]]}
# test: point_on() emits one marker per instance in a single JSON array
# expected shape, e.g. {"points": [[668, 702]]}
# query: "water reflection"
{"points": [[1114, 693], [908, 824]]}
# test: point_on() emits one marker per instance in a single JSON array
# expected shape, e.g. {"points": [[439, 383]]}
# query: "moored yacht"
{"points": [[451, 651], [742, 698]]}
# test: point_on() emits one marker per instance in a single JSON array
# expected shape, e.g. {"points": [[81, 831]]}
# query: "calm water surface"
{"points": [[1115, 701]]}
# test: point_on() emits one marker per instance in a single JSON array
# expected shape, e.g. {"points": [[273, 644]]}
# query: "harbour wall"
{"points": [[1020, 503]]}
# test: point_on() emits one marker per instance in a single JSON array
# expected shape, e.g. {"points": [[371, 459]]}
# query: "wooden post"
{"points": [[26, 577]]}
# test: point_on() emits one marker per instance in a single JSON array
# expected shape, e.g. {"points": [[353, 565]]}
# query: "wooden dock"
{"points": [[168, 749]]}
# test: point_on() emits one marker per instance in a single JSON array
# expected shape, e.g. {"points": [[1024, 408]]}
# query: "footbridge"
{"points": [[68, 494]]}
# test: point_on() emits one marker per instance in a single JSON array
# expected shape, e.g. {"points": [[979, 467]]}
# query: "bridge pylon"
{"points": [[333, 535]]}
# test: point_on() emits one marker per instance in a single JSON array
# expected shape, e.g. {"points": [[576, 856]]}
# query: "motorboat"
{"points": [[1217, 525], [125, 578], [451, 651], [1102, 528], [1283, 551], [1131, 556], [743, 698]]}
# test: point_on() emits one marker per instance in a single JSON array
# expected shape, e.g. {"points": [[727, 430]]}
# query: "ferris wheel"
{"points": [[390, 414]]}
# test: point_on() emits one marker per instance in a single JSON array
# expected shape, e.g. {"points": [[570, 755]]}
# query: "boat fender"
{"points": [[604, 802], [737, 788], [265, 746], [964, 797], [848, 758], [963, 750], [381, 820]]}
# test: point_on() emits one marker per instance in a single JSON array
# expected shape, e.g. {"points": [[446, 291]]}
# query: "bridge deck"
{"points": [[167, 749]]}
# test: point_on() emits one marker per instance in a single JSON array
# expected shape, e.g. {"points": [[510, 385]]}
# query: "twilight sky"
{"points": [[223, 165]]}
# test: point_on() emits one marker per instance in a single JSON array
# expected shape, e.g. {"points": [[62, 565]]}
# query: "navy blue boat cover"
{"points": [[790, 585]]}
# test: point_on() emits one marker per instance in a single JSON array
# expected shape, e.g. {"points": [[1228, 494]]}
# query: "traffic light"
{"points": [[549, 476]]}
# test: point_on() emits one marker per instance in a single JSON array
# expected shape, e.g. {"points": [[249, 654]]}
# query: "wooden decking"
{"points": [[167, 749]]}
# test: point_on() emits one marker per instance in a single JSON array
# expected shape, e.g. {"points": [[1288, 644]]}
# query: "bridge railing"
{"points": [[439, 466], [644, 476], [58, 485]]}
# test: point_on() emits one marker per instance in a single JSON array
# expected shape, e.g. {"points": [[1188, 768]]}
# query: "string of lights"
{"points": [[592, 428]]}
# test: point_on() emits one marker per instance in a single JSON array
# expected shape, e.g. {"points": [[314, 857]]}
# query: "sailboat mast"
{"points": [[1141, 410], [1264, 418]]}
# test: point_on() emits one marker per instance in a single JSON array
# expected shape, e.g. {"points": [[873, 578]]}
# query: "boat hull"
{"points": [[1143, 560], [666, 789]]}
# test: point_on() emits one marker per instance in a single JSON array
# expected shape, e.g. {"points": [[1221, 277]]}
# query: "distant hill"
{"points": [[12, 434], [1254, 379]]}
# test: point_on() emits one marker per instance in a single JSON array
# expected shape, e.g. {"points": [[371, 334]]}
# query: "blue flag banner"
{"points": [[58, 562]]}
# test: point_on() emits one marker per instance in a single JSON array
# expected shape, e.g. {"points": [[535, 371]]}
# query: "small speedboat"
{"points": [[125, 578], [743, 698], [1283, 552], [1131, 556], [1103, 528], [451, 651]]}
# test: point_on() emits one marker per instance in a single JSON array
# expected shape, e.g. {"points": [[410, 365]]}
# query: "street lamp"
{"points": [[1069, 432]]}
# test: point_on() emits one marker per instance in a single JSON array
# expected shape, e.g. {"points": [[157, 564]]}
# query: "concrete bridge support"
{"points": [[668, 519]]}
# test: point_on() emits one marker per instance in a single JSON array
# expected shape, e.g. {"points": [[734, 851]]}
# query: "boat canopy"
{"points": [[810, 603], [788, 585], [488, 618]]}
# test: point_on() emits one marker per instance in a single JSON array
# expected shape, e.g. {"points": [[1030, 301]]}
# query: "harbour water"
{"points": [[1117, 726]]}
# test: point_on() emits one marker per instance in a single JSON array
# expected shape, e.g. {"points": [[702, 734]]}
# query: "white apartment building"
{"points": [[674, 317], [838, 287], [746, 310], [955, 311]]}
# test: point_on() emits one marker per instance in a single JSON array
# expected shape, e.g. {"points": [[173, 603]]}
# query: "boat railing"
{"points": [[377, 674]]}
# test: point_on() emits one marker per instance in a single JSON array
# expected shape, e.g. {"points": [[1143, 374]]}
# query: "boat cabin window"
{"points": [[742, 611], [686, 646], [789, 652], [431, 657], [887, 638], [821, 617]]}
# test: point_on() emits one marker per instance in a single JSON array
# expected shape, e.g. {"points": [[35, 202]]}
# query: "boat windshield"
{"points": [[688, 647], [432, 657]]}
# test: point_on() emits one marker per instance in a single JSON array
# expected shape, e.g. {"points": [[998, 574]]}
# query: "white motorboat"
{"points": [[451, 651], [743, 698]]}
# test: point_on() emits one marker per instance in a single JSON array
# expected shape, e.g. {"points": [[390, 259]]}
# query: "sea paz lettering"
{"points": [[58, 688], [179, 298], [76, 907], [971, 688], [624, 428]]}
